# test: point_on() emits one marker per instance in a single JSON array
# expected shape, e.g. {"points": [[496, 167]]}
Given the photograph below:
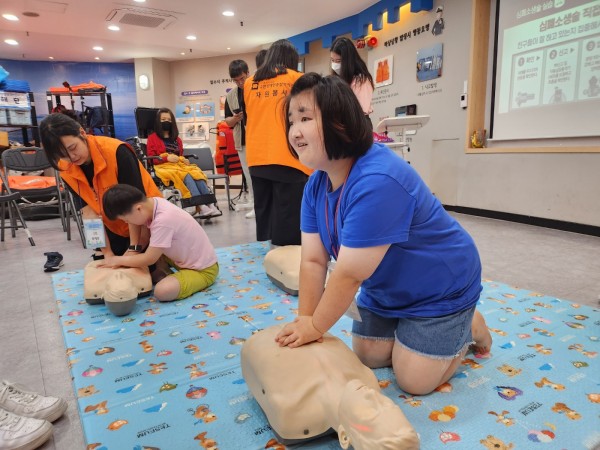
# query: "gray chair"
{"points": [[203, 158], [8, 204], [33, 159]]}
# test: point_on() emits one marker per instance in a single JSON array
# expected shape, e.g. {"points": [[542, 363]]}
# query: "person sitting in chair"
{"points": [[172, 167]]}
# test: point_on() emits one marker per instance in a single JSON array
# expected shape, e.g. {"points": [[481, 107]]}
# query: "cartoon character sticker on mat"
{"points": [[449, 436], [508, 392], [493, 443], [503, 418], [167, 387], [195, 392]]}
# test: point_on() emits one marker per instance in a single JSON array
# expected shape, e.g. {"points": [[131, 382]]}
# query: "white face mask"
{"points": [[336, 67]]}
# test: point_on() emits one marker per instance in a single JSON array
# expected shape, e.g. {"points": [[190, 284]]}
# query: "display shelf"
{"points": [[25, 129], [108, 127]]}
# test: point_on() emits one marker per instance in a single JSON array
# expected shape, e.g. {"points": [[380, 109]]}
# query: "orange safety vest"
{"points": [[104, 156], [226, 148], [266, 141]]}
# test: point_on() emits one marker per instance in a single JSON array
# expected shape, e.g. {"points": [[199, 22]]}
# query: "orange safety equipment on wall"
{"points": [[227, 159]]}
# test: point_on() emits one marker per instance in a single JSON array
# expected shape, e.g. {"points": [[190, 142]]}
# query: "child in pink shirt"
{"points": [[176, 240]]}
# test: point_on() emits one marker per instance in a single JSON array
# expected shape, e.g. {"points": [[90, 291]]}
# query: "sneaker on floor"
{"points": [[22, 433], [214, 211], [14, 398], [54, 261], [251, 215]]}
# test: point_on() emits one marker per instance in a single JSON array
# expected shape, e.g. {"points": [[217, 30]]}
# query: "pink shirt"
{"points": [[364, 94], [180, 237]]}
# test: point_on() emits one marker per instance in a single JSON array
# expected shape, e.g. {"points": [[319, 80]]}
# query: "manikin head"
{"points": [[368, 419]]}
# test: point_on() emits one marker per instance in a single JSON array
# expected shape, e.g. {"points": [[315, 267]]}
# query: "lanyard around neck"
{"points": [[334, 247]]}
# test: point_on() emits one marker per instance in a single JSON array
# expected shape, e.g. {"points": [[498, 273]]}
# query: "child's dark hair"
{"points": [[346, 131], [119, 199]]}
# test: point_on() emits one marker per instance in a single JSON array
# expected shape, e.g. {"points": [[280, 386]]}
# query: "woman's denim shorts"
{"points": [[435, 337]]}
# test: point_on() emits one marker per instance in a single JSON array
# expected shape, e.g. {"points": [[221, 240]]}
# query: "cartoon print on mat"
{"points": [[503, 418], [113, 372], [508, 392], [493, 443]]}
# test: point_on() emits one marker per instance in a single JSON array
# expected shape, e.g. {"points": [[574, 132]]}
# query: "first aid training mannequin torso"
{"points": [[306, 391]]}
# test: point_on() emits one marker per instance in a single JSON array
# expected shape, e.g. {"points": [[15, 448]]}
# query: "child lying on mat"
{"points": [[176, 240]]}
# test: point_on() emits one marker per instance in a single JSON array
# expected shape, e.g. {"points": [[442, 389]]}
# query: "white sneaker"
{"points": [[214, 211], [251, 215], [204, 211], [22, 433], [16, 399], [191, 210]]}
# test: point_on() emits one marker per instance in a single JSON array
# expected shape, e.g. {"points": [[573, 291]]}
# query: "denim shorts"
{"points": [[435, 337]]}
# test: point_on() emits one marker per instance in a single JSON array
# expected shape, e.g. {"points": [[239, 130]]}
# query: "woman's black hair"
{"points": [[281, 56], [119, 200], [173, 132], [52, 129], [353, 65], [346, 131]]}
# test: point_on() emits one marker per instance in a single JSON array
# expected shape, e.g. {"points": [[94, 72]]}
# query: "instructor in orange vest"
{"points": [[89, 165]]}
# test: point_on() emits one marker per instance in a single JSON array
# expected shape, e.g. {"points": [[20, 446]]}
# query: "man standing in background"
{"points": [[235, 112]]}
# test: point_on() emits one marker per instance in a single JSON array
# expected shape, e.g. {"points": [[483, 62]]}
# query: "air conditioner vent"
{"points": [[141, 18]]}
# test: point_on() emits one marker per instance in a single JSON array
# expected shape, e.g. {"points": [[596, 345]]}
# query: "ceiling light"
{"points": [[182, 53], [11, 17], [113, 28], [50, 57], [11, 42], [228, 48], [191, 37], [97, 48], [140, 1], [96, 58], [228, 13]]}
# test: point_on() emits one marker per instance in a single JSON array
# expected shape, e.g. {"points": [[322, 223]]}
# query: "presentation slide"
{"points": [[547, 69]]}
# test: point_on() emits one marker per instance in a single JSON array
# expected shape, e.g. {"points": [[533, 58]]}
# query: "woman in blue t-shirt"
{"points": [[370, 218]]}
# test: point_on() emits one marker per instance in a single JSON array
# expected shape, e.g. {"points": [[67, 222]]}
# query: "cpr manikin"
{"points": [[95, 281], [307, 391]]}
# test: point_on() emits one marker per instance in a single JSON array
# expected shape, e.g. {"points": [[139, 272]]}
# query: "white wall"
{"points": [[562, 186]]}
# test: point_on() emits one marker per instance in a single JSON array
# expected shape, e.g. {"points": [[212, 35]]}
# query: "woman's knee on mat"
{"points": [[419, 374], [373, 353]]}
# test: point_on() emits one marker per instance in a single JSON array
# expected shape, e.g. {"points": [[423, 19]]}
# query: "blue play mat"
{"points": [[168, 375]]}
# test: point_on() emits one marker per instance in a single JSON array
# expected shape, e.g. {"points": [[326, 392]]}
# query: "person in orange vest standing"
{"points": [[278, 178], [89, 165]]}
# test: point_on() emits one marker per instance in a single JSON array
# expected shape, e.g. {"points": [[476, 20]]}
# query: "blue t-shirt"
{"points": [[432, 267]]}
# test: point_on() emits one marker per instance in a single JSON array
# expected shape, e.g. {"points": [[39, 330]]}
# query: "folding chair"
{"points": [[9, 199], [33, 159], [203, 158]]}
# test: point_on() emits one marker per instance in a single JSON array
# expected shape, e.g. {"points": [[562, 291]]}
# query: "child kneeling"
{"points": [[176, 240]]}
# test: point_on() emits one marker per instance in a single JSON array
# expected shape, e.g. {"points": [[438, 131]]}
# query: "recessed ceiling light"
{"points": [[96, 58], [191, 37], [113, 28], [11, 17], [228, 48], [97, 48], [50, 57], [140, 1], [182, 53], [228, 13], [11, 42]]}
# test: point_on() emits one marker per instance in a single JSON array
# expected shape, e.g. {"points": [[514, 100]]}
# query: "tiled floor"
{"points": [[565, 265]]}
